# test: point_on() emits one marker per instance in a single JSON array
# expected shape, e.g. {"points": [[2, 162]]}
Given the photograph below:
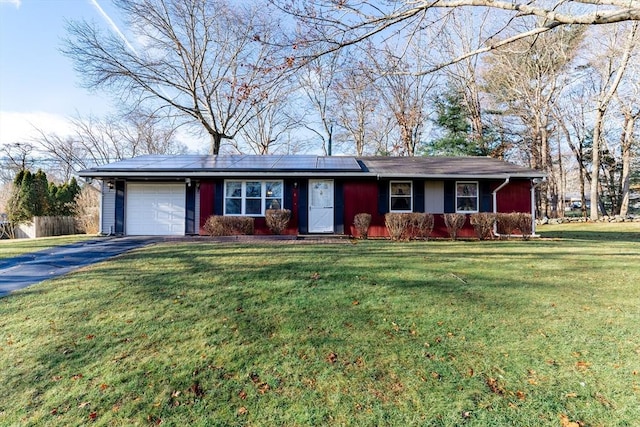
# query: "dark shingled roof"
{"points": [[182, 166], [444, 166]]}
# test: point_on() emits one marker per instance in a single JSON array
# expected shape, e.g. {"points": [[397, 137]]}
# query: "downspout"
{"points": [[533, 205], [495, 203]]}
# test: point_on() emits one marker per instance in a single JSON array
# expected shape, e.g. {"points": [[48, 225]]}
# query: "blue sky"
{"points": [[37, 82]]}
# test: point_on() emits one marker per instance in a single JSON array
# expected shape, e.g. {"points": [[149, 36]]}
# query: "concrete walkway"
{"points": [[28, 269]]}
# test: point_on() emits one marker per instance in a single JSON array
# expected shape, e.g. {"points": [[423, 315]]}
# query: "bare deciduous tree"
{"points": [[318, 80], [405, 95], [16, 157], [332, 25], [97, 141], [363, 121], [628, 138], [525, 79], [268, 132], [610, 66], [211, 62]]}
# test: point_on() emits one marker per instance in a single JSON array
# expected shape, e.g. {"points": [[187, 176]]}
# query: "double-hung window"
{"points": [[252, 198], [400, 196], [466, 196]]}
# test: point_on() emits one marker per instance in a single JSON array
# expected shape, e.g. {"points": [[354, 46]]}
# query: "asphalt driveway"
{"points": [[28, 269]]}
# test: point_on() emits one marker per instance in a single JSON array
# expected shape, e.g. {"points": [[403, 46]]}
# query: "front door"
{"points": [[320, 206]]}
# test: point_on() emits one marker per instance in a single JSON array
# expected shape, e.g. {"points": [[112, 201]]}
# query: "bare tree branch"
{"points": [[331, 25]]}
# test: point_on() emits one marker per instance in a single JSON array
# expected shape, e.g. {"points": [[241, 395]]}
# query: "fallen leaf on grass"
{"points": [[242, 411], [582, 365], [565, 422], [332, 357], [242, 395], [521, 395], [83, 404], [93, 416], [493, 385]]}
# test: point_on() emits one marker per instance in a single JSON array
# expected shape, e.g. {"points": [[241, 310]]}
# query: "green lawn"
{"points": [[496, 333], [11, 248]]}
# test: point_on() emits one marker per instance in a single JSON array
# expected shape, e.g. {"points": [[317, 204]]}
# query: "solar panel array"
{"points": [[235, 163]]}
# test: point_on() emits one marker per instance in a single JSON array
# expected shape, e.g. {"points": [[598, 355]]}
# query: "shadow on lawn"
{"points": [[595, 236], [138, 302]]}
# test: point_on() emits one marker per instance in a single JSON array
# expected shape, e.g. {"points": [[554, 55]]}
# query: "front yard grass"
{"points": [[537, 333]]}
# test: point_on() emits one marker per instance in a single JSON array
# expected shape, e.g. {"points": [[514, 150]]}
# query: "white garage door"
{"points": [[155, 209]]}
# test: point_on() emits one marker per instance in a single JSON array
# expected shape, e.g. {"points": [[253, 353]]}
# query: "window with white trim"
{"points": [[401, 196], [252, 198], [467, 196]]}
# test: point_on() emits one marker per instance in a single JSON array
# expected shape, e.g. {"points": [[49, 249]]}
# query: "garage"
{"points": [[155, 209]]}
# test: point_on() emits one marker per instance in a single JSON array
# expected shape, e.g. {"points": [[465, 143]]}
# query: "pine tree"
{"points": [[40, 199]]}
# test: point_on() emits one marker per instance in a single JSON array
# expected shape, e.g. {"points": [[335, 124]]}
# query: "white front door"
{"points": [[320, 206]]}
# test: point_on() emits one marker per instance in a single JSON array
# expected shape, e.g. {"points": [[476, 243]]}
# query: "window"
{"points": [[252, 198], [466, 197], [401, 196]]}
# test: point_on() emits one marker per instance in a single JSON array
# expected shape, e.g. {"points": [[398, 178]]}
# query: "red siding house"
{"points": [[174, 195]]}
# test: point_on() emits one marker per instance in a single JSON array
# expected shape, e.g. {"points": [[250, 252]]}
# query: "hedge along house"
{"points": [[174, 195]]}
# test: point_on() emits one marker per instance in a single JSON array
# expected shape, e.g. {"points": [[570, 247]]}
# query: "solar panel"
{"points": [[234, 163]]}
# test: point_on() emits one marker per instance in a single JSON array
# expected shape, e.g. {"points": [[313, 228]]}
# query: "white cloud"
{"points": [[16, 3], [21, 127]]}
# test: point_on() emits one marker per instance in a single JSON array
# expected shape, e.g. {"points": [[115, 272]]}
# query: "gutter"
{"points": [[169, 175]]}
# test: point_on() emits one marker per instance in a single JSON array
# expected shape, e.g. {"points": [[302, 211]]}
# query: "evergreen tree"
{"points": [[40, 199], [34, 195], [453, 119], [63, 197], [18, 209]]}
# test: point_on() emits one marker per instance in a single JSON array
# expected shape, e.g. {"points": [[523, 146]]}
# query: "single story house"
{"points": [[174, 195]]}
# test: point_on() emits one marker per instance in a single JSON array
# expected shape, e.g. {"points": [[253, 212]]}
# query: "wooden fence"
{"points": [[45, 226]]}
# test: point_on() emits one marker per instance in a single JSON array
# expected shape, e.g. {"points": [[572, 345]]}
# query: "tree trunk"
{"points": [[597, 126], [595, 165], [216, 141], [625, 179]]}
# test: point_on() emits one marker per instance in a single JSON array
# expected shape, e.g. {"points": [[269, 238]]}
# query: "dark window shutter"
{"points": [[449, 196], [119, 207], [486, 197], [383, 197], [190, 202], [418, 196], [218, 196]]}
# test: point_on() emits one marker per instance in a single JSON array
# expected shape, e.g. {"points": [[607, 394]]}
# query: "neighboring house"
{"points": [[174, 195]]}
